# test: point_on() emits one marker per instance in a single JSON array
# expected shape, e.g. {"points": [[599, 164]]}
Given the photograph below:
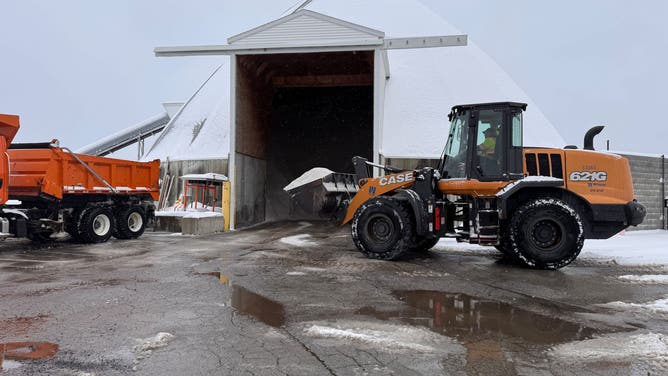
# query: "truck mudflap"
{"points": [[635, 213], [327, 196]]}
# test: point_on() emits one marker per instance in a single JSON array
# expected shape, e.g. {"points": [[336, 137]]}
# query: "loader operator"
{"points": [[486, 148]]}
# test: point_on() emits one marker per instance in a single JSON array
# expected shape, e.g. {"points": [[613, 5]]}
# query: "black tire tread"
{"points": [[84, 231], [121, 230], [398, 248], [559, 209]]}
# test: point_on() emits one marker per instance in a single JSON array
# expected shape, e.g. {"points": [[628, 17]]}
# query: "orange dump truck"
{"points": [[47, 191]]}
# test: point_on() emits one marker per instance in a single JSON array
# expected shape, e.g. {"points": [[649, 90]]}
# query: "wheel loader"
{"points": [[534, 204]]}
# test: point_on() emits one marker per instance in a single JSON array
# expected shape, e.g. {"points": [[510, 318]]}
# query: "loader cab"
{"points": [[484, 142]]}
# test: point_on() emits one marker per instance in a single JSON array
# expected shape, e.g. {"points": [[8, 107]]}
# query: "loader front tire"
{"points": [[382, 229], [95, 225], [130, 223], [546, 233]]}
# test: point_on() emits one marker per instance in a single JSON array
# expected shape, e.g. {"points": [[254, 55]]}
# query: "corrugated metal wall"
{"points": [[648, 181]]}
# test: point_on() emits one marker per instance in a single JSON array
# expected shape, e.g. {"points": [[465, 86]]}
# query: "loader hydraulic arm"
{"points": [[363, 171]]}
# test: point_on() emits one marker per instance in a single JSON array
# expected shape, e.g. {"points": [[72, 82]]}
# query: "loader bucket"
{"points": [[323, 193]]}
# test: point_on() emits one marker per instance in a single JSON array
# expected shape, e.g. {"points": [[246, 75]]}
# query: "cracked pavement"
{"points": [[248, 303]]}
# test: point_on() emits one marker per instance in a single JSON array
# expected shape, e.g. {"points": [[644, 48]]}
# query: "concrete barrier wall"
{"points": [[190, 226], [648, 180], [202, 226]]}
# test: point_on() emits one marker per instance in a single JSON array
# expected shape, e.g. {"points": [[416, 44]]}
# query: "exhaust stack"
{"points": [[589, 137]]}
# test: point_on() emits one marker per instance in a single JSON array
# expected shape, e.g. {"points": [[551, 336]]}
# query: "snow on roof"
{"points": [[424, 85], [201, 129]]}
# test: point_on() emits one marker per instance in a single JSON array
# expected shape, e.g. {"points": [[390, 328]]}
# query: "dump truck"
{"points": [[534, 204], [47, 192]]}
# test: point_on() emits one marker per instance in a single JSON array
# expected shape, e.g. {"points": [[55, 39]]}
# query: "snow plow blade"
{"points": [[325, 195]]}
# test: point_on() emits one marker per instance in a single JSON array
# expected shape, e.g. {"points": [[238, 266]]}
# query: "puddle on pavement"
{"points": [[261, 308], [252, 304], [22, 351], [472, 319]]}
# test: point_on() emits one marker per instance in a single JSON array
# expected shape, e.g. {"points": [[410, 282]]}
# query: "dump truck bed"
{"points": [[44, 170]]}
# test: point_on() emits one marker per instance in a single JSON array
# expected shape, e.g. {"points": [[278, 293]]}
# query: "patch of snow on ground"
{"points": [[147, 345], [389, 337], [10, 364], [301, 240], [450, 244], [656, 306], [295, 273], [625, 248], [630, 248], [646, 278], [615, 347], [307, 177]]}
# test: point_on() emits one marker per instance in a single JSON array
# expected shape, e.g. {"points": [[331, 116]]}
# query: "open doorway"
{"points": [[295, 112]]}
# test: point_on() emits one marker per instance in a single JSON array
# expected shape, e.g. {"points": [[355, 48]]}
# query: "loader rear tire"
{"points": [[95, 225], [130, 223], [382, 229], [546, 234]]}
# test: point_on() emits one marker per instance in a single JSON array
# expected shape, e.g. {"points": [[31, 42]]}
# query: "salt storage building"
{"points": [[330, 80]]}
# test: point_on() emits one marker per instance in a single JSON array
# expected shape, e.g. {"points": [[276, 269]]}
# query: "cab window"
{"points": [[489, 149]]}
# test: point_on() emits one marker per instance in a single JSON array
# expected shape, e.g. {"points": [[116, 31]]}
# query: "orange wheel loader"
{"points": [[535, 204], [47, 191]]}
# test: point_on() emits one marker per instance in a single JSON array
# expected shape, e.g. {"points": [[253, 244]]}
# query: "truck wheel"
{"points": [[130, 223], [382, 229], [546, 234], [95, 225]]}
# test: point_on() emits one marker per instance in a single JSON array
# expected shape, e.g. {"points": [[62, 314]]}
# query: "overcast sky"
{"points": [[79, 70]]}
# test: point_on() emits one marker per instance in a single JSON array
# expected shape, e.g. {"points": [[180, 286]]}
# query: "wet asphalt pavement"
{"points": [[298, 299]]}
